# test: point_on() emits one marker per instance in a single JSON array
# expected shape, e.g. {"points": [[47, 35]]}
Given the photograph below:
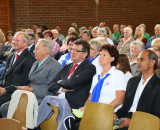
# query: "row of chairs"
{"points": [[19, 118], [97, 116]]}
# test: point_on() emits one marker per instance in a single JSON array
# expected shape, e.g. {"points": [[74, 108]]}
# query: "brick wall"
{"points": [[83, 12]]}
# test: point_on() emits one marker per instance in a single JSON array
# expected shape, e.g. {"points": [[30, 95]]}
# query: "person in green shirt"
{"points": [[116, 33]]}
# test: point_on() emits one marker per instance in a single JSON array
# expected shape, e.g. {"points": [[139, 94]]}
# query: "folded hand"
{"points": [[125, 123], [65, 90], [27, 88], [2, 90]]}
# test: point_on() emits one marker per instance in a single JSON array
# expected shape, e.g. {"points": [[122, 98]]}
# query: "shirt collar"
{"points": [[30, 46], [126, 40], [39, 63], [110, 71], [19, 53], [146, 81]]}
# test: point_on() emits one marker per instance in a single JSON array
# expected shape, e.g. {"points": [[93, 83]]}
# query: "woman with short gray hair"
{"points": [[136, 48], [102, 32]]}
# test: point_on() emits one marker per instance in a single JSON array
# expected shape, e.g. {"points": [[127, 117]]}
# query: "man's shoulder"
{"points": [[135, 79], [87, 65], [28, 54], [28, 57], [51, 61], [155, 80]]}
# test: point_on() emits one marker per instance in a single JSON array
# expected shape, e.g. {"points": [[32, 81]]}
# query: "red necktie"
{"points": [[72, 70], [17, 56]]}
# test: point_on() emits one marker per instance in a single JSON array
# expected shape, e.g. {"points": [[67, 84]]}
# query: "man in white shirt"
{"points": [[143, 91]]}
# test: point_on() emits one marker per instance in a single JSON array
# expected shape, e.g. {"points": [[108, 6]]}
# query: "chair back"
{"points": [[144, 121], [51, 123], [20, 113], [97, 116], [10, 124]]}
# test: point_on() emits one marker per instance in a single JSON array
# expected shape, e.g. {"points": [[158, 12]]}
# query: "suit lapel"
{"points": [[12, 60], [147, 88], [10, 64], [35, 69], [17, 62], [133, 90], [78, 68]]}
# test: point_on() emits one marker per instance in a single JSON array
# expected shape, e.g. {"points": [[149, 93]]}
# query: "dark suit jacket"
{"points": [[32, 49], [17, 74], [149, 101], [80, 82]]}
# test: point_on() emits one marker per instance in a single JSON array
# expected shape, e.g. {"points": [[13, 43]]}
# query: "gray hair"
{"points": [[29, 31], [54, 31], [72, 29], [26, 38], [47, 44], [82, 28], [157, 26], [103, 31], [95, 28], [156, 40], [128, 29], [102, 40], [139, 43], [95, 43]]}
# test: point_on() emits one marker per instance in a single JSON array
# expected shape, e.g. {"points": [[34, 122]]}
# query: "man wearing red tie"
{"points": [[73, 82], [17, 67]]}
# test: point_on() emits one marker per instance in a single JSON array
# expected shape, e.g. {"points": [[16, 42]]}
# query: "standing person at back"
{"points": [[143, 91], [17, 69]]}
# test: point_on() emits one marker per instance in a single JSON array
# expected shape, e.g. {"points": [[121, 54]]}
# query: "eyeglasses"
{"points": [[92, 48], [75, 50]]}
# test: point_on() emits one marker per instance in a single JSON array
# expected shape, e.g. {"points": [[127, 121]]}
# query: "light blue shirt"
{"points": [[40, 63]]}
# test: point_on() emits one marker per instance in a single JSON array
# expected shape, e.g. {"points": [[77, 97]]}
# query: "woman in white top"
{"points": [[124, 66], [108, 86]]}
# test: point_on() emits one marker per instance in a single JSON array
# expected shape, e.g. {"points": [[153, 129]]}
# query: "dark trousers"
{"points": [[125, 128], [5, 98]]}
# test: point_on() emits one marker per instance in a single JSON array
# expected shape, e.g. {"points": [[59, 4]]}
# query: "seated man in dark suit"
{"points": [[143, 91], [17, 68], [74, 80]]}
